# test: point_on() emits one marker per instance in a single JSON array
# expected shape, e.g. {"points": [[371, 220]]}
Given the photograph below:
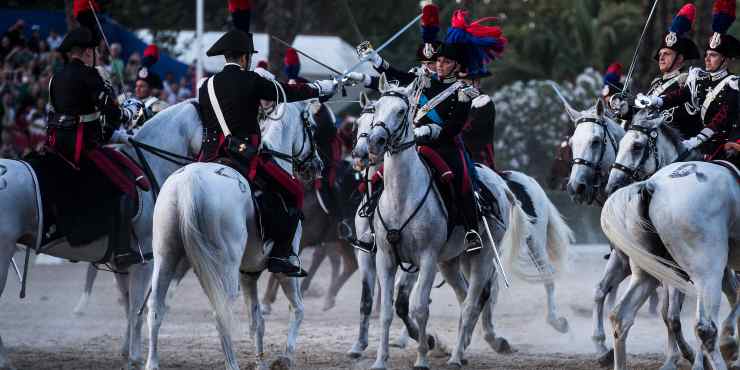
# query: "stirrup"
{"points": [[473, 241], [363, 246]]}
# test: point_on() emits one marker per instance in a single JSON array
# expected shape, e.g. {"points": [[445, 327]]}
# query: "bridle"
{"points": [[367, 109], [298, 160], [394, 144], [596, 166], [637, 173]]}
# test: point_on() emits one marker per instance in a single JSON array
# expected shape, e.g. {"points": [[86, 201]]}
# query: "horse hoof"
{"points": [[266, 309], [420, 368], [502, 346], [455, 365], [328, 305], [607, 359], [354, 355], [281, 363], [560, 325]]}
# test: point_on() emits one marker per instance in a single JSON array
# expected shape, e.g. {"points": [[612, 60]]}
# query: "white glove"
{"points": [[430, 131], [467, 94], [692, 143], [358, 77], [327, 88], [648, 101]]}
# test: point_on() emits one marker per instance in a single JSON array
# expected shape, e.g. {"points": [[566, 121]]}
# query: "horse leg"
{"points": [[124, 301], [270, 294], [319, 254], [90, 275], [404, 286], [642, 285], [735, 312], [676, 345], [454, 277], [344, 250], [257, 322], [708, 287], [499, 344], [182, 269], [367, 270], [292, 291], [727, 342], [420, 307], [559, 323], [165, 264], [386, 268], [139, 282], [7, 249], [616, 271], [653, 302]]}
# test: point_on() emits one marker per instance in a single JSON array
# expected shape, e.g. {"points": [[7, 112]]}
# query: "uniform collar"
{"points": [[669, 75], [716, 76], [231, 65], [449, 79]]}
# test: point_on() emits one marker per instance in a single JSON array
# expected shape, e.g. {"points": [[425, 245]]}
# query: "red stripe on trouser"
{"points": [[491, 158], [135, 170], [433, 158], [79, 135], [112, 171], [284, 180]]}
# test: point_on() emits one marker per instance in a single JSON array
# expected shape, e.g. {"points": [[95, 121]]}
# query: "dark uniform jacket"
{"points": [[79, 90], [451, 114], [721, 113], [239, 93], [681, 117]]}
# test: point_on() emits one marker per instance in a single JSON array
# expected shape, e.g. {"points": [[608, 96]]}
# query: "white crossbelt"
{"points": [[435, 101], [713, 95], [217, 107]]}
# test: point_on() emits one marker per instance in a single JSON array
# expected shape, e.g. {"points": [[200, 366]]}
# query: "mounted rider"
{"points": [[147, 87], [712, 93], [444, 105], [230, 102], [675, 50], [74, 173]]}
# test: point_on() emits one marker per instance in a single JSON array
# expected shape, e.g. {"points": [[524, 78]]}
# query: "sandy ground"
{"points": [[42, 333]]}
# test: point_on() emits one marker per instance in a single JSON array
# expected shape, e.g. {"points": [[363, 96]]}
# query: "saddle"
{"points": [[730, 166], [81, 204]]}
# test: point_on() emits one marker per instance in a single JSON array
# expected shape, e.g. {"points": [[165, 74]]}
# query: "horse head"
{"points": [[391, 125], [648, 145], [360, 152], [594, 147], [291, 141]]}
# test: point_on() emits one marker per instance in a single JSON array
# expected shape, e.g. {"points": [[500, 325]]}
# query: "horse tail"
{"points": [[559, 239], [515, 237], [626, 222], [205, 248]]}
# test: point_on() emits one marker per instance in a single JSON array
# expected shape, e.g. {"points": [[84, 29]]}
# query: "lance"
{"points": [[628, 79]]}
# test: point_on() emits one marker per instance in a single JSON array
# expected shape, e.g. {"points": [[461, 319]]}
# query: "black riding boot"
{"points": [[282, 249], [469, 209], [119, 239]]}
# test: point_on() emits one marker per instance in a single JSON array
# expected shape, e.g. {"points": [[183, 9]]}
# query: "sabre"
{"points": [[628, 79], [306, 55], [97, 21], [496, 255], [385, 44], [16, 269]]}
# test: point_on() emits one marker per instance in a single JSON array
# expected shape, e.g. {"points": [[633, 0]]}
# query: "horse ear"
{"points": [[364, 100], [383, 83]]}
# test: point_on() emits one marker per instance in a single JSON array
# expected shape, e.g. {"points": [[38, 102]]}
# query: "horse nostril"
{"points": [[381, 141], [580, 188]]}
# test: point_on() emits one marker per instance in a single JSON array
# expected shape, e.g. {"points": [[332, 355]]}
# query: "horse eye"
{"points": [[595, 142], [400, 113], [637, 147]]}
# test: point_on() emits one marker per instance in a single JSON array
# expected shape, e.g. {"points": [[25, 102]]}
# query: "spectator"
{"points": [[132, 68], [116, 64], [6, 47], [35, 40], [172, 94], [54, 39]]}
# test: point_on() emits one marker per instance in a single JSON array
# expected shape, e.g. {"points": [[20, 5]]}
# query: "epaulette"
{"points": [[733, 82], [682, 78]]}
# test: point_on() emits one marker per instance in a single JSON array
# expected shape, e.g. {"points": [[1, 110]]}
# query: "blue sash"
{"points": [[432, 114]]}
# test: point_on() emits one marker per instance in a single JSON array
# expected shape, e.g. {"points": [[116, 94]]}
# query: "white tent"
{"points": [[330, 50]]}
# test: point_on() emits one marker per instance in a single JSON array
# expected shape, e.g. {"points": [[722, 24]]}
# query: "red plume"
{"points": [[688, 11], [235, 5], [615, 68], [430, 16], [724, 7], [84, 5]]}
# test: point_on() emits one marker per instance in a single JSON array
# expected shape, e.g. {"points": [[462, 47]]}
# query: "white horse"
{"points": [[649, 145], [410, 226], [679, 227], [548, 228], [176, 130], [205, 213]]}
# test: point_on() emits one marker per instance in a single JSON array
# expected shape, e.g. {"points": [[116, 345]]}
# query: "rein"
{"points": [[140, 147], [652, 148], [396, 146], [298, 163], [596, 166]]}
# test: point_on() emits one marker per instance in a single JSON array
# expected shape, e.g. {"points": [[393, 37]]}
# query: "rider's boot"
{"points": [[120, 237], [279, 260]]}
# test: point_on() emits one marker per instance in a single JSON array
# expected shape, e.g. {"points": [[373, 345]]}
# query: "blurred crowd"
{"points": [[29, 58]]}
